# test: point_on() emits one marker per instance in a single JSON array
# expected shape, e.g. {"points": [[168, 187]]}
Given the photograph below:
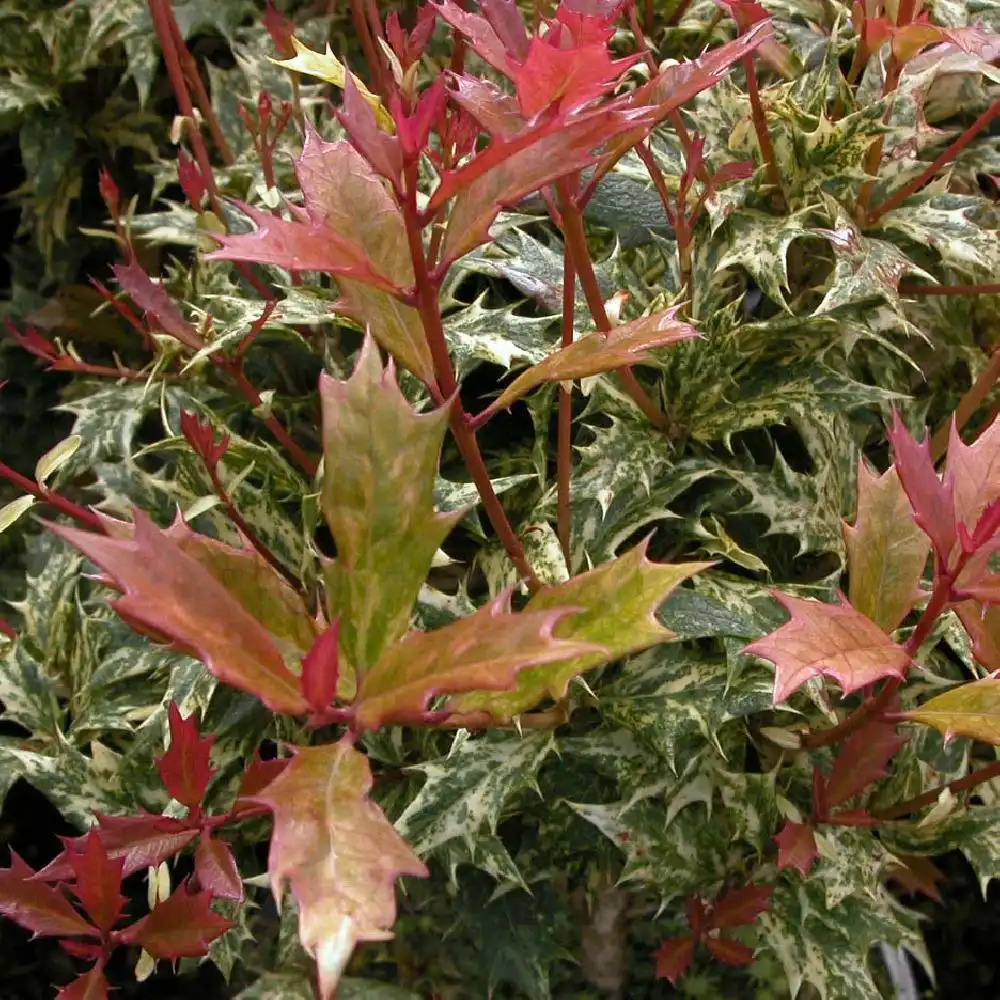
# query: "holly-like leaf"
{"points": [[321, 669], [90, 986], [156, 302], [141, 841], [627, 344], [172, 593], [482, 652], [617, 601], [863, 759], [216, 869], [971, 710], [729, 951], [886, 550], [673, 959], [797, 847], [974, 471], [829, 640], [932, 500], [337, 851], [98, 881], [183, 925], [37, 907], [380, 460], [739, 907], [186, 768]]}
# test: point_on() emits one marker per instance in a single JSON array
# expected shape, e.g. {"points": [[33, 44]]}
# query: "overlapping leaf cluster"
{"points": [[479, 464]]}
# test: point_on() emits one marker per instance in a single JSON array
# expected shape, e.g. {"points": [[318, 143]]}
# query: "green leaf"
{"points": [[379, 468], [618, 603], [466, 792], [886, 550]]}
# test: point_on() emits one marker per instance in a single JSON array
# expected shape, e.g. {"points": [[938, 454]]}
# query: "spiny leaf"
{"points": [[216, 869], [886, 550], [184, 924], [186, 768], [618, 603], [627, 344], [971, 710], [172, 593], [483, 651], [338, 852], [379, 467], [975, 472], [863, 759], [98, 881], [35, 906], [90, 986], [830, 640], [327, 67]]}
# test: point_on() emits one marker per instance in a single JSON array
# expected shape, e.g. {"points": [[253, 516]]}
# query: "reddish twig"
{"points": [[564, 444]]}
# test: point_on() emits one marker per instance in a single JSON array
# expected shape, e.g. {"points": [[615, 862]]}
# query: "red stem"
{"points": [[897, 199], [927, 798], [576, 247], [427, 287], [79, 514], [564, 446], [873, 158], [760, 124]]}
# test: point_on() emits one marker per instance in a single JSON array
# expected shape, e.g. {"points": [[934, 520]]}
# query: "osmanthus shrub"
{"points": [[473, 534]]}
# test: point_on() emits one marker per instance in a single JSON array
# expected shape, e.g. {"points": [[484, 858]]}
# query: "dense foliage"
{"points": [[507, 474]]}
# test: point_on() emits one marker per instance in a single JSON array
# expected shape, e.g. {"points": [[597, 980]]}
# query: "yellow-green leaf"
{"points": [[56, 457], [618, 603], [380, 460], [10, 512], [971, 710], [886, 551]]}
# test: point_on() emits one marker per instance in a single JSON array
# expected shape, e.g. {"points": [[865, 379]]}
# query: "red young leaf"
{"points": [[90, 986], [98, 880], [182, 926], [673, 958], [186, 768], [796, 847], [192, 183], [729, 951], [173, 593], [156, 302], [829, 640], [339, 853], [932, 500], [741, 906], [37, 907], [260, 774], [141, 841], [863, 759], [480, 33], [215, 867], [321, 669], [360, 122], [916, 873]]}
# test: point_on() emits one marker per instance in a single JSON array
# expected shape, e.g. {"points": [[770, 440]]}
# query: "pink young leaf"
{"points": [[171, 592], [186, 768], [38, 907], [828, 640], [377, 146], [740, 906], [339, 853], [98, 880], [796, 847], [477, 29], [182, 926], [932, 500], [975, 472], [673, 959], [215, 868], [156, 302], [506, 21]]}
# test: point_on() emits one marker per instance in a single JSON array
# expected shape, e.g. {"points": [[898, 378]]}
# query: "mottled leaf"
{"points": [[971, 710]]}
